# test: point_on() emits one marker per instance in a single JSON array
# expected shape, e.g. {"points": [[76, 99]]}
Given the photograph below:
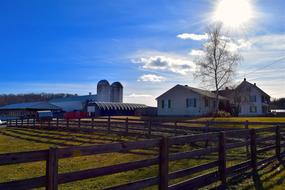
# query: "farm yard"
{"points": [[28, 136]]}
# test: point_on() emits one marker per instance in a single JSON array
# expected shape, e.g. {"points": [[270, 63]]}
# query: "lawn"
{"points": [[16, 140]]}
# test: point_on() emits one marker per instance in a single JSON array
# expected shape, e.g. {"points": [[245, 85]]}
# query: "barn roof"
{"points": [[116, 105], [31, 106]]}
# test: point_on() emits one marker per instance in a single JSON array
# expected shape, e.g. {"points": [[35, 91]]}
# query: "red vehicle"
{"points": [[75, 115]]}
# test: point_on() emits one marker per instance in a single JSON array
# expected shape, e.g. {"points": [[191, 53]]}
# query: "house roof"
{"points": [[116, 105], [75, 98], [245, 82], [31, 106], [196, 90]]}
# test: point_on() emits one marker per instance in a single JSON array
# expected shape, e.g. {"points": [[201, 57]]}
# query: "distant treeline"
{"points": [[6, 99], [278, 103]]}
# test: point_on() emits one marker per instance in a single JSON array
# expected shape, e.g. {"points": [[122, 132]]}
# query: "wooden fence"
{"points": [[218, 170], [141, 127]]}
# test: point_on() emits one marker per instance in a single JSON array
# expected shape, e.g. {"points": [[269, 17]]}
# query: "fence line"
{"points": [[260, 141]]}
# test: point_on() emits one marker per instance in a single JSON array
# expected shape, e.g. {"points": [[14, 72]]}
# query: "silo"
{"points": [[103, 91], [117, 92]]}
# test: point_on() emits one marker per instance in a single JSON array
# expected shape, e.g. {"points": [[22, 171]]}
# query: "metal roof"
{"points": [[31, 106], [116, 105], [75, 98], [205, 93]]}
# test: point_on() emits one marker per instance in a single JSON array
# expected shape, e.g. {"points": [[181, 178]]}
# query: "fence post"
{"points": [[67, 123], [163, 164], [278, 147], [127, 125], [34, 122], [175, 128], [109, 123], [253, 150], [222, 160], [206, 131], [149, 128], [52, 169], [16, 122], [246, 139], [22, 122], [92, 122], [28, 122], [79, 122], [48, 123], [57, 122]]}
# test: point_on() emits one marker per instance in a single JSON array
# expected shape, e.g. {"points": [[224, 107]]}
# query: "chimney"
{"points": [[227, 88], [244, 79], [254, 84], [90, 93]]}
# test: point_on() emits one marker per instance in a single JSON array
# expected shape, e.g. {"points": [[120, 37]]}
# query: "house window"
{"points": [[252, 109], [191, 102], [252, 98], [162, 104], [169, 103], [206, 102]]}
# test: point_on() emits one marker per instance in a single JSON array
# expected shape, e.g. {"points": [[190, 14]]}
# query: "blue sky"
{"points": [[68, 46]]}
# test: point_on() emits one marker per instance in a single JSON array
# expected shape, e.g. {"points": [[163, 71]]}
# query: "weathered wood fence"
{"points": [[141, 127], [260, 141]]}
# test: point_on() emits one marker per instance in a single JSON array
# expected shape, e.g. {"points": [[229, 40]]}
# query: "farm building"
{"points": [[113, 108], [27, 110], [248, 99], [186, 101]]}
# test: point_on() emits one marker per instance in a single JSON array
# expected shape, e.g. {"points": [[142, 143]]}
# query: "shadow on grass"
{"points": [[264, 174]]}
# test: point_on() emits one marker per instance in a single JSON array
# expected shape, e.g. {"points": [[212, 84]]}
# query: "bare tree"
{"points": [[217, 65]]}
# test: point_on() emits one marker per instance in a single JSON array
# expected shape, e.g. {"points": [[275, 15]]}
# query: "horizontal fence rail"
{"points": [[218, 145]]}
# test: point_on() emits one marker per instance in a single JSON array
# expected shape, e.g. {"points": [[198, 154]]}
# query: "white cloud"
{"points": [[186, 36], [151, 78], [133, 95], [170, 63], [196, 52]]}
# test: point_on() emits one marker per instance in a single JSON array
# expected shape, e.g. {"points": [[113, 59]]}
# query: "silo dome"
{"points": [[117, 92], [103, 91]]}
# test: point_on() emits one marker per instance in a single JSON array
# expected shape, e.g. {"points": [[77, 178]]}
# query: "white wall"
{"points": [[178, 98]]}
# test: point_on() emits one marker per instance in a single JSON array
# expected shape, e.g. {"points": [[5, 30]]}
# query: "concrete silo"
{"points": [[103, 91], [116, 92]]}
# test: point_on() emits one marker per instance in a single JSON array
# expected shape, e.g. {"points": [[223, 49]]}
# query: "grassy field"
{"points": [[16, 140]]}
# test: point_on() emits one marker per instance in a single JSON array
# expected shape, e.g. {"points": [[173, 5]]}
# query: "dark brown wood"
{"points": [[109, 124], [67, 123], [52, 169], [23, 157], [127, 125], [222, 160], [34, 122], [16, 122], [149, 128], [163, 164], [277, 143], [92, 122], [57, 122], [253, 150], [79, 122]]}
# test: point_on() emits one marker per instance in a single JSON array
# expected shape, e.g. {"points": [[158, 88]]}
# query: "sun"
{"points": [[233, 13]]}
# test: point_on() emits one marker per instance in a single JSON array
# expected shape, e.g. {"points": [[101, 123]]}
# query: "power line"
{"points": [[261, 68]]}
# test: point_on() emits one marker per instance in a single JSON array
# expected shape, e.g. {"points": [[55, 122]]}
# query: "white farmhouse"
{"points": [[248, 99], [186, 101]]}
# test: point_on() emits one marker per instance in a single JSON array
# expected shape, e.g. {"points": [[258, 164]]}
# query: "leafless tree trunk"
{"points": [[217, 65]]}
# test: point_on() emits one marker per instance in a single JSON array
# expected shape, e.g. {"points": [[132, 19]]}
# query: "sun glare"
{"points": [[233, 13]]}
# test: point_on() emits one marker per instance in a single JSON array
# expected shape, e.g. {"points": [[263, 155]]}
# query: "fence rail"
{"points": [[212, 143]]}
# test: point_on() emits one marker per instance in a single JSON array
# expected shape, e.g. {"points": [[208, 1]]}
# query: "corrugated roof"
{"points": [[75, 98], [32, 106], [197, 90], [116, 105]]}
